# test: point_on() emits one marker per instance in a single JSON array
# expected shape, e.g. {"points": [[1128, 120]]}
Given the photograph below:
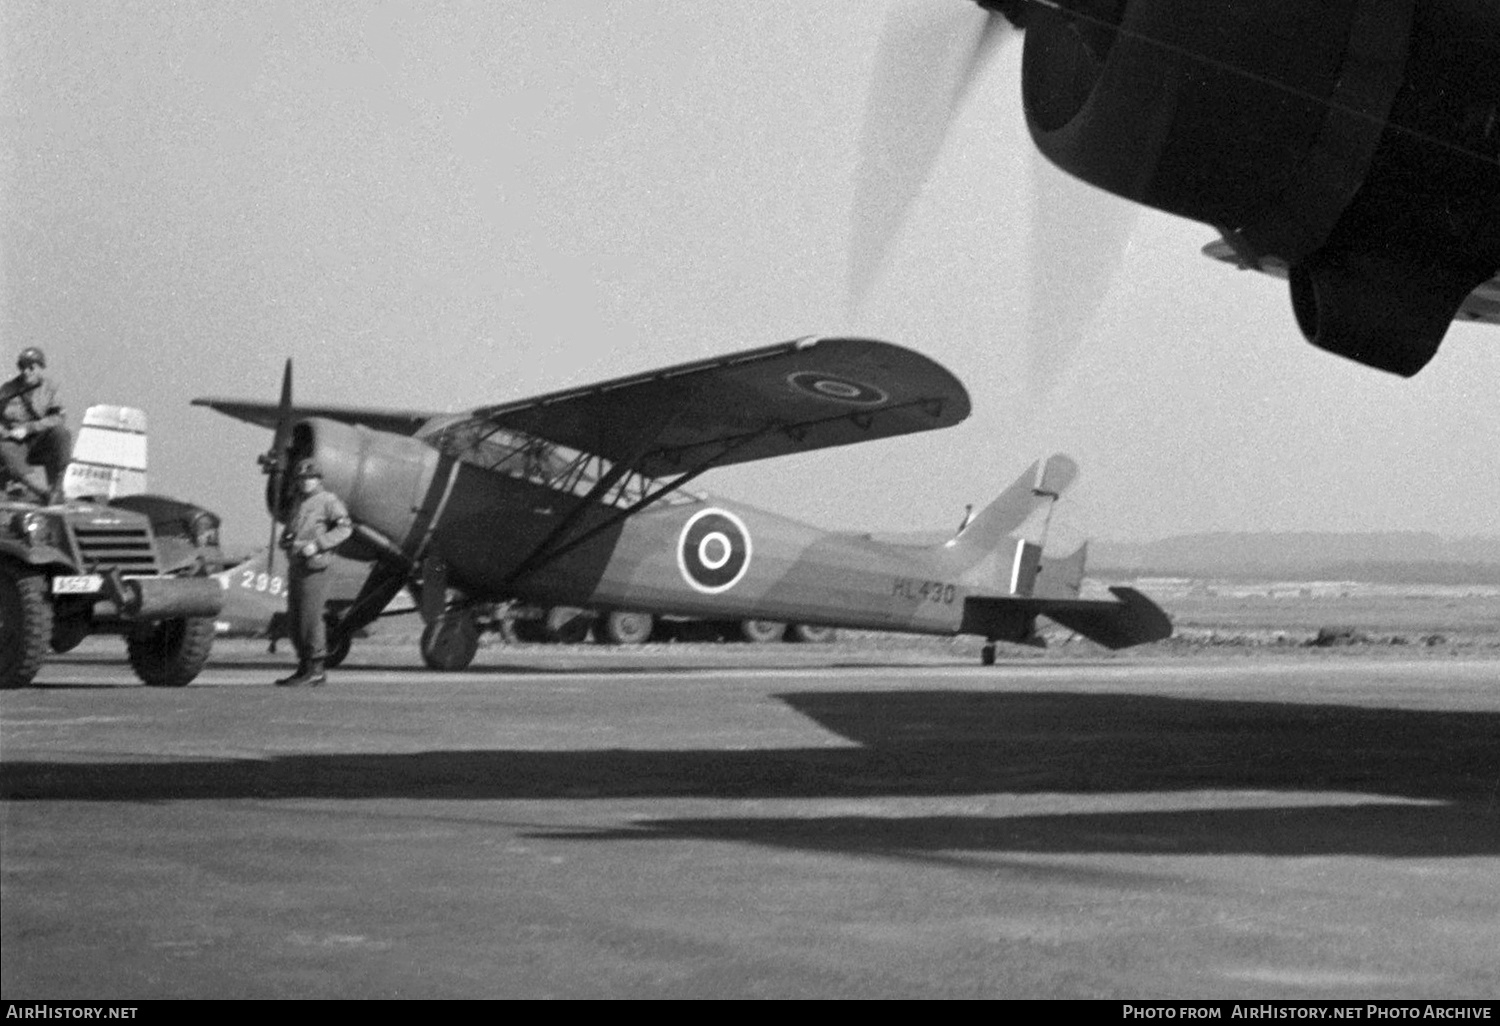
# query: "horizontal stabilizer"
{"points": [[1131, 619]]}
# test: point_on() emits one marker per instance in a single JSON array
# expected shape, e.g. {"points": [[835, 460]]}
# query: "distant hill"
{"points": [[1404, 557]]}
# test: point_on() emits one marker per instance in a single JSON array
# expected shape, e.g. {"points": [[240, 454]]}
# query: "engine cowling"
{"points": [[1357, 142], [385, 480]]}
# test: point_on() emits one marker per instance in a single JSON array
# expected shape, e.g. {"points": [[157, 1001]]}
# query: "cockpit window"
{"points": [[563, 469]]}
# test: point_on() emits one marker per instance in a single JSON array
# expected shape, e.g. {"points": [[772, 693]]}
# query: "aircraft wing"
{"points": [[401, 422], [793, 397], [1483, 303]]}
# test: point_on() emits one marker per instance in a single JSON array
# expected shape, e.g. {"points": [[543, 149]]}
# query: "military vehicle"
{"points": [[110, 559], [136, 565]]}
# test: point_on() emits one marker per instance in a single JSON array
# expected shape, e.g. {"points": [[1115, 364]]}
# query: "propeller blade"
{"points": [[284, 410], [929, 57], [1079, 235], [274, 461]]}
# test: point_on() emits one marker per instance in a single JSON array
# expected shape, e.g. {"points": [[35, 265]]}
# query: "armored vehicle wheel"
{"points": [[449, 642], [25, 625], [811, 635], [622, 628], [171, 653], [760, 632]]}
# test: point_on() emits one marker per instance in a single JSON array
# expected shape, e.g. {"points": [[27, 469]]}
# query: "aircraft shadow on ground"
{"points": [[1428, 782]]}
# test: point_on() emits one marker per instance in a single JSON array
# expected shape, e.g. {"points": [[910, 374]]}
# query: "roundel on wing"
{"points": [[713, 551], [836, 389]]}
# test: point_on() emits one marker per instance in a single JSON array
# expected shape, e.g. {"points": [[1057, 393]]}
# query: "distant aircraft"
{"points": [[255, 593], [1351, 146], [578, 498]]}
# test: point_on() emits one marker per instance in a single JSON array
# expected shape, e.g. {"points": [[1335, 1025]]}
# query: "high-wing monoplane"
{"points": [[580, 498], [1350, 146]]}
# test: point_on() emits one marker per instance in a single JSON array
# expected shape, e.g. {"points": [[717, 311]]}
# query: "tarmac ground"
{"points": [[706, 821]]}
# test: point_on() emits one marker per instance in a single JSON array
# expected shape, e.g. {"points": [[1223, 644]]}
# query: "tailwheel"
{"points": [[450, 641]]}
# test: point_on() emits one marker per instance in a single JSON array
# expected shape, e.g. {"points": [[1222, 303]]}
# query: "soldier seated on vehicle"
{"points": [[32, 432]]}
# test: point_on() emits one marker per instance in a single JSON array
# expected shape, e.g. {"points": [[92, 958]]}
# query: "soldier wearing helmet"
{"points": [[317, 524], [32, 432]]}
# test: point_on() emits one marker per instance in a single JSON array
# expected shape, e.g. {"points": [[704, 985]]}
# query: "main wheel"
{"points": [[449, 642], [811, 635], [25, 625], [622, 628], [171, 653], [761, 632]]}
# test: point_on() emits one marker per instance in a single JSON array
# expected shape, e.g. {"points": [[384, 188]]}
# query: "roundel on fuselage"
{"points": [[836, 389], [713, 551]]}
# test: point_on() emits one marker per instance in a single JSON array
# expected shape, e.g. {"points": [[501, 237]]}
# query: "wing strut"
{"points": [[550, 547], [385, 581], [542, 555]]}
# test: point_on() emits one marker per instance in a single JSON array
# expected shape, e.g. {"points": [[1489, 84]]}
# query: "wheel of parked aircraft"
{"points": [[568, 625], [810, 634], [625, 628], [760, 632], [449, 642]]}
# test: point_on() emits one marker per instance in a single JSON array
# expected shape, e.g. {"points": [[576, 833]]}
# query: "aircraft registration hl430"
{"points": [[579, 498]]}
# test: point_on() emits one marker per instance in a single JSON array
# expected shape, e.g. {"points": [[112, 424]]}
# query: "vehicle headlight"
{"points": [[205, 530], [38, 528]]}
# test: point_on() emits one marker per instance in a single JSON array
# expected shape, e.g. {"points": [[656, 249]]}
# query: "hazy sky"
{"points": [[442, 205]]}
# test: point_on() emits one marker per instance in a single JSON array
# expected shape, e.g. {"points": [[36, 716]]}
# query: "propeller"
{"points": [[273, 462], [930, 56]]}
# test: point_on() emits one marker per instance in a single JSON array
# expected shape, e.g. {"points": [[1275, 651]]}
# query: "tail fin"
{"points": [[1061, 578], [109, 454], [1024, 507]]}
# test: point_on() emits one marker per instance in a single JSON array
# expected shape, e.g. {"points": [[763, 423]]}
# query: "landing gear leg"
{"points": [[987, 654]]}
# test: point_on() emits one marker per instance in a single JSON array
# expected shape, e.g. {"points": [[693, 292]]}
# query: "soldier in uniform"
{"points": [[32, 432], [318, 524]]}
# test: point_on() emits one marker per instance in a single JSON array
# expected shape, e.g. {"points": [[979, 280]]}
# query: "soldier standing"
{"points": [[317, 525], [32, 432]]}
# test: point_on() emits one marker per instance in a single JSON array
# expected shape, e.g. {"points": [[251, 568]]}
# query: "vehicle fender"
{"points": [[40, 556]]}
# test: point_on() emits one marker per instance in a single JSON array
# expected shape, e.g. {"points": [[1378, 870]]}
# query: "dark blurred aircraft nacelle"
{"points": [[1355, 142]]}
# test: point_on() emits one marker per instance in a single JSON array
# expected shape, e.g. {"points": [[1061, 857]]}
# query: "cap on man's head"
{"points": [[31, 356], [306, 468]]}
